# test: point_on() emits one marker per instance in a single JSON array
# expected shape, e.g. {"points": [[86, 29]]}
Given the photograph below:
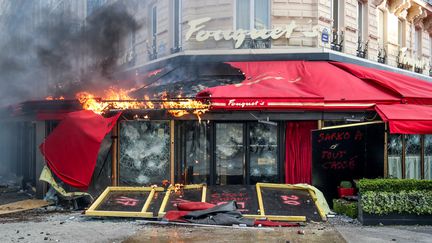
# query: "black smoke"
{"points": [[62, 54]]}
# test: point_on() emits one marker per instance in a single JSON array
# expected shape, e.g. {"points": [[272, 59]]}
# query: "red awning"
{"points": [[407, 119], [411, 90], [297, 85], [71, 150]]}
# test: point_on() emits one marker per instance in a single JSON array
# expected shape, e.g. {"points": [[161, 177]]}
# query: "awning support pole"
{"points": [[114, 159]]}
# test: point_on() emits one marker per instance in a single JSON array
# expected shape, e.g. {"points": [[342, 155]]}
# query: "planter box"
{"points": [[392, 219], [345, 192]]}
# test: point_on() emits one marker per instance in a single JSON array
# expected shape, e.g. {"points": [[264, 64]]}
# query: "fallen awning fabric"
{"points": [[317, 85], [407, 118], [71, 150]]}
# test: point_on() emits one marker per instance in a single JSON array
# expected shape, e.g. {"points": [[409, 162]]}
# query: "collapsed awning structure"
{"points": [[71, 150], [326, 86]]}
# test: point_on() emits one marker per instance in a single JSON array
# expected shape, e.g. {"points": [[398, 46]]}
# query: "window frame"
{"points": [[251, 14], [417, 49], [211, 140], [177, 27], [403, 162]]}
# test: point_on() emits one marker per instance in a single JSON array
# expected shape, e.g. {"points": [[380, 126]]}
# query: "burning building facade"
{"points": [[173, 51]]}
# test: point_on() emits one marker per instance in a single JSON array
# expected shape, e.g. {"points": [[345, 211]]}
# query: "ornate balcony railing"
{"points": [[337, 41], [362, 48], [382, 55]]}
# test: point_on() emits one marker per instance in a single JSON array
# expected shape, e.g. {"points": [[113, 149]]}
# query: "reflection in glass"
{"points": [[412, 156], [394, 149], [263, 153], [261, 14], [243, 14], [428, 157], [196, 154], [144, 152], [230, 154]]}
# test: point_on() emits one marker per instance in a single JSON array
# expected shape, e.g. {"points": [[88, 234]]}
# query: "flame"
{"points": [[186, 106], [54, 98], [120, 99]]}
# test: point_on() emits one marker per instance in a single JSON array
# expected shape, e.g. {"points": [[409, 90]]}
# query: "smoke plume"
{"points": [[61, 54]]}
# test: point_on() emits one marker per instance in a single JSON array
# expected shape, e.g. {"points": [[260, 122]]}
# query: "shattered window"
{"points": [[412, 157], [196, 155], [144, 152], [428, 157], [263, 153], [230, 154], [394, 148]]}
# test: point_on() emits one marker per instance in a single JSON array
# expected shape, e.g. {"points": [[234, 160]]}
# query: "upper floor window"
{"points": [[360, 20], [153, 48], [382, 36], [252, 14], [381, 28], [401, 33], [176, 26], [417, 43], [335, 14]]}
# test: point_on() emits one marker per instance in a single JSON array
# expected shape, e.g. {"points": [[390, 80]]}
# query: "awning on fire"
{"points": [[322, 85]]}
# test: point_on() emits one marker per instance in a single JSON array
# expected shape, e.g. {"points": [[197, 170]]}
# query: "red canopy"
{"points": [[411, 90], [297, 85], [71, 150], [407, 119]]}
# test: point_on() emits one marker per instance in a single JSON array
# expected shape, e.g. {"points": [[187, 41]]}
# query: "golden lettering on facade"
{"points": [[239, 36]]}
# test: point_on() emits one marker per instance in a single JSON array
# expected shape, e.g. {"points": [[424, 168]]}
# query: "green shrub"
{"points": [[345, 207], [403, 202], [393, 185]]}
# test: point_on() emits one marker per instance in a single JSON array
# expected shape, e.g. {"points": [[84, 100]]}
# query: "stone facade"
{"points": [[307, 15]]}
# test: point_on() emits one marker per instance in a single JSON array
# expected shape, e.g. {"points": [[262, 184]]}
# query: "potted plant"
{"points": [[345, 189]]}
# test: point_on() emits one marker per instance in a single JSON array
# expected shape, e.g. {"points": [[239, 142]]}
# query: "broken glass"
{"points": [[412, 156], [428, 157], [144, 152], [230, 154], [263, 153], [394, 149], [196, 154]]}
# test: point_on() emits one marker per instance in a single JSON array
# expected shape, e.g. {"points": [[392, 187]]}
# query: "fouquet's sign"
{"points": [[197, 27], [243, 104]]}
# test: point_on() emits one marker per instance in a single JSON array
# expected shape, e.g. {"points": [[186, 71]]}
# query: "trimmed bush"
{"points": [[403, 202], [393, 185], [345, 207]]}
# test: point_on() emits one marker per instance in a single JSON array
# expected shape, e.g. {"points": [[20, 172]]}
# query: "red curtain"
{"points": [[298, 152]]}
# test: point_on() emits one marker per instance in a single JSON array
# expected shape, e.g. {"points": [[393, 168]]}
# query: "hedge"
{"points": [[393, 185], [403, 202], [345, 207]]}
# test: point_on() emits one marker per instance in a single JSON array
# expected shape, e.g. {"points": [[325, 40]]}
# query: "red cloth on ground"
{"points": [[71, 150], [194, 206], [176, 216], [298, 153]]}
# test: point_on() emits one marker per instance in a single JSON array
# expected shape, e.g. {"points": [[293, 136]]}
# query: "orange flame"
{"points": [[54, 98], [119, 99]]}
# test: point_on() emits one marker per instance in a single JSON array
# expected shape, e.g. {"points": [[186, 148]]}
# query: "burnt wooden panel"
{"points": [[289, 202], [244, 195]]}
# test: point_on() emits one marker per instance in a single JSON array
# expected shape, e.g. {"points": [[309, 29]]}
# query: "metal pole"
{"points": [[114, 162]]}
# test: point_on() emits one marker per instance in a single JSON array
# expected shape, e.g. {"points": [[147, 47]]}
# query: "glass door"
{"points": [[230, 153], [263, 153]]}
